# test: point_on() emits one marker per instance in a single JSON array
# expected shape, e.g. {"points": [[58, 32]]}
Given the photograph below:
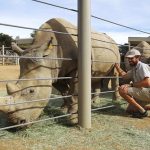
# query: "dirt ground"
{"points": [[111, 129], [8, 72]]}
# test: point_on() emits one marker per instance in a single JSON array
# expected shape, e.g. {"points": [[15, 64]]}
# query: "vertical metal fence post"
{"points": [[84, 62], [3, 53], [16, 59]]}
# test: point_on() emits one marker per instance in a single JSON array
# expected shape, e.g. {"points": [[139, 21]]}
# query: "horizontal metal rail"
{"points": [[120, 44], [99, 18], [55, 5], [57, 117], [121, 25], [28, 123], [58, 78], [39, 100], [47, 99], [6, 56], [104, 107], [6, 48], [104, 77], [105, 61], [43, 30], [70, 34], [102, 92], [32, 79], [24, 57]]}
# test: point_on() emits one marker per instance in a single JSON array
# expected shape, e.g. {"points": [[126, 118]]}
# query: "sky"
{"points": [[28, 13]]}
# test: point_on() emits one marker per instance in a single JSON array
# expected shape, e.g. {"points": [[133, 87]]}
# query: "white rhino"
{"points": [[55, 45]]}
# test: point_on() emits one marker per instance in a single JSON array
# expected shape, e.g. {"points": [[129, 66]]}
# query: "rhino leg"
{"points": [[115, 85], [72, 102], [64, 106], [73, 110], [96, 89], [105, 84], [63, 88]]}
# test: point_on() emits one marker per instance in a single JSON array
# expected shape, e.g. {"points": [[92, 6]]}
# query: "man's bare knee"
{"points": [[122, 92]]}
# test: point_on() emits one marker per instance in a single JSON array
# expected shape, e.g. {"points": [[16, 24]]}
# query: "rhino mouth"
{"points": [[17, 124], [20, 122]]}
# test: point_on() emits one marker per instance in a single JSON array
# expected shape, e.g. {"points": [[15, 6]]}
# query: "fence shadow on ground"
{"points": [[118, 106], [112, 111], [53, 109]]}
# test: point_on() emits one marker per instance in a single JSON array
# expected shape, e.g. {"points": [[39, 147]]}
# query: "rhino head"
{"points": [[23, 91]]}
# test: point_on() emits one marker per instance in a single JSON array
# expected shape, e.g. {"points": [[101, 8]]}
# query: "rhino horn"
{"points": [[16, 48], [4, 104], [11, 88]]}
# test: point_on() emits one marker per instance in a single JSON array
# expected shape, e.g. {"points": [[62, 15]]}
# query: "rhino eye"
{"points": [[31, 90]]}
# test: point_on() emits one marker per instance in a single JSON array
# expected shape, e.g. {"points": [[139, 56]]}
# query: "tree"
{"points": [[5, 40]]}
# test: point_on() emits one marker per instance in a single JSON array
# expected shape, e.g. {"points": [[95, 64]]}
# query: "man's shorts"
{"points": [[140, 94]]}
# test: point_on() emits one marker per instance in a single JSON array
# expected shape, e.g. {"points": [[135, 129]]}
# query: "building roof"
{"points": [[136, 40], [24, 41]]}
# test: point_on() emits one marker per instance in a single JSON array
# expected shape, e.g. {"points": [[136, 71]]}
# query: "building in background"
{"points": [[134, 41], [23, 43]]}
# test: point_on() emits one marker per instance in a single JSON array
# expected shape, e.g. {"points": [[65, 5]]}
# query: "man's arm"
{"points": [[143, 83], [119, 70]]}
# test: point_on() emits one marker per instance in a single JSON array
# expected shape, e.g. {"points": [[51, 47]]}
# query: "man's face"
{"points": [[133, 60]]}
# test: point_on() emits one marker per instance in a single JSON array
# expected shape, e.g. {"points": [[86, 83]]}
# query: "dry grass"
{"points": [[111, 129]]}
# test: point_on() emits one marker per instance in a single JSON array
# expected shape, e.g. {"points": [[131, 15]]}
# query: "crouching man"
{"points": [[138, 90]]}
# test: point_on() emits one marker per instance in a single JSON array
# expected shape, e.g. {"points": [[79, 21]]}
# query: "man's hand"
{"points": [[116, 65], [124, 88], [119, 70]]}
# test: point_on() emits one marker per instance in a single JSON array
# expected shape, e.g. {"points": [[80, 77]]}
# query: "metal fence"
{"points": [[7, 51], [86, 114]]}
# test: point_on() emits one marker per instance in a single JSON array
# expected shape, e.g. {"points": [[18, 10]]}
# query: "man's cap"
{"points": [[131, 53]]}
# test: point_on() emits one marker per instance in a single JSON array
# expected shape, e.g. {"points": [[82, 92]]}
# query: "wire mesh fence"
{"points": [[12, 58]]}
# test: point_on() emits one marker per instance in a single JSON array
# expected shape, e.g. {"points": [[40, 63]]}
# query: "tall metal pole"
{"points": [[84, 62]]}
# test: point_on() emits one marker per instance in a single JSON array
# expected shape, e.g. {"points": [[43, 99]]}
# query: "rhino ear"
{"points": [[43, 47], [49, 48]]}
